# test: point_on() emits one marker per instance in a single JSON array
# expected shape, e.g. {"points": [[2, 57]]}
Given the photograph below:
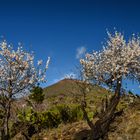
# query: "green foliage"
{"points": [[51, 118], [70, 113], [65, 113], [122, 105], [130, 92], [77, 113], [37, 94]]}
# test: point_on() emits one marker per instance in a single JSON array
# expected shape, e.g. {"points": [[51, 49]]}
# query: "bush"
{"points": [[70, 113], [37, 94], [52, 117], [65, 113], [41, 119], [28, 118]]}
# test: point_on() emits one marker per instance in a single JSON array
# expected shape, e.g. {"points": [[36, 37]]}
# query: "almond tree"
{"points": [[18, 75], [119, 60]]}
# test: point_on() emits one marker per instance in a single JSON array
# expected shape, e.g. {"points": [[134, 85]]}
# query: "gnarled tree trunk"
{"points": [[7, 134], [101, 127]]}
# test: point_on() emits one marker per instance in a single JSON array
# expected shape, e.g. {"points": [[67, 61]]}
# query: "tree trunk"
{"points": [[7, 134], [86, 115], [101, 127], [5, 125], [2, 127], [2, 135]]}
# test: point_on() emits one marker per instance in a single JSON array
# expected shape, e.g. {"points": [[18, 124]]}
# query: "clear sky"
{"points": [[63, 29]]}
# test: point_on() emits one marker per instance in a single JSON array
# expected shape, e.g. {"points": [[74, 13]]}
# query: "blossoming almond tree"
{"points": [[17, 76], [117, 61]]}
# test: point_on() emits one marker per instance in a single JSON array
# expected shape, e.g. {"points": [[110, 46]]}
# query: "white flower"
{"points": [[31, 81], [40, 72], [39, 62], [119, 59], [21, 65], [47, 63]]}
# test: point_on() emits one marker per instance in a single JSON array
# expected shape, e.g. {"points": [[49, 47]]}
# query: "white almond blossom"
{"points": [[17, 70], [39, 62], [47, 63], [118, 60]]}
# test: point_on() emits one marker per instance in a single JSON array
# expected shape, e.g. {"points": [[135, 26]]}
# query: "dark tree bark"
{"points": [[101, 127], [86, 116], [7, 121]]}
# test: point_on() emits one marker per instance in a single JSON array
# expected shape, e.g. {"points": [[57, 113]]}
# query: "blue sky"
{"points": [[62, 28]]}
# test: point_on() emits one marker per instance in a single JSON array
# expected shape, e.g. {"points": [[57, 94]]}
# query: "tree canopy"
{"points": [[119, 59]]}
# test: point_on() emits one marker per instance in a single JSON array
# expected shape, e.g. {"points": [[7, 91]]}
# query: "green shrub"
{"points": [[65, 113], [28, 118], [37, 94], [130, 92], [52, 119], [70, 113], [77, 113]]}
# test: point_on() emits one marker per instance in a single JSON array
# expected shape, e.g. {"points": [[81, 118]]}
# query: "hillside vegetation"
{"points": [[125, 127], [67, 93]]}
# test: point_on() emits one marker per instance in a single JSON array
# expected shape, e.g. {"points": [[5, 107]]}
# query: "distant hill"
{"points": [[71, 86], [70, 91]]}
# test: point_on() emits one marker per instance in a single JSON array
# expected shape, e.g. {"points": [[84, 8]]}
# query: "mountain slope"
{"points": [[70, 86], [69, 92]]}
